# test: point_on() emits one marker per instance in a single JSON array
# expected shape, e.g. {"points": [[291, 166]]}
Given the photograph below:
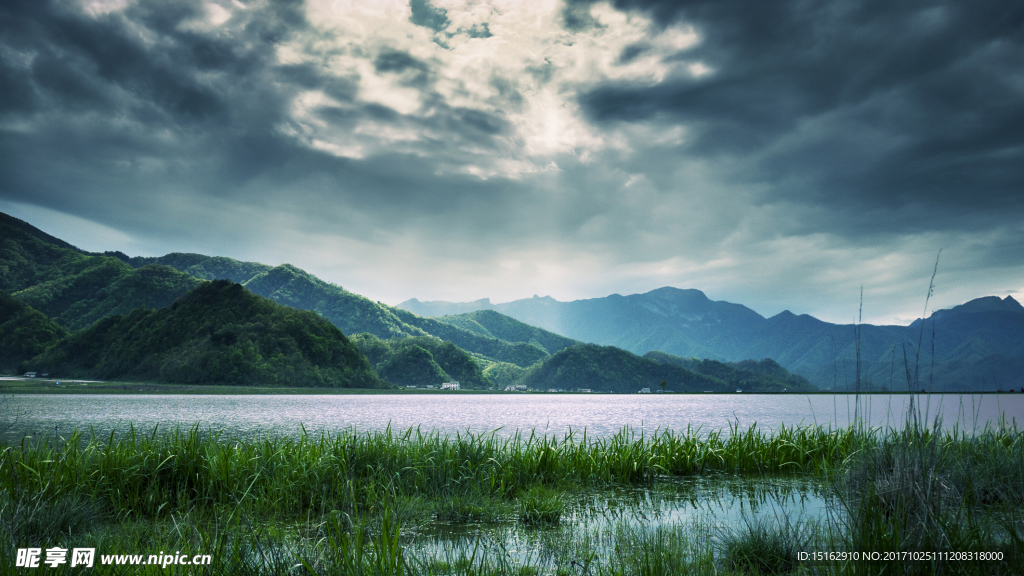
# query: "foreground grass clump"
{"points": [[541, 507], [766, 545], [151, 475], [352, 503], [923, 491]]}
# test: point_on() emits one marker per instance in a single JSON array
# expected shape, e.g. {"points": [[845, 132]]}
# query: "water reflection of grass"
{"points": [[414, 503]]}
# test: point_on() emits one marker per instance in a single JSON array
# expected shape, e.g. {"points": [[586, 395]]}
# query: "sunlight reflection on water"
{"points": [[600, 415]]}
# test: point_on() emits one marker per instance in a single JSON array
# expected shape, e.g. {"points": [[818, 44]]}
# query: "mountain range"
{"points": [[978, 345], [191, 318], [53, 296]]}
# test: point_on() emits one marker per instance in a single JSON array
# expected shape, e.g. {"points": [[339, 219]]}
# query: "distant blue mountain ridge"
{"points": [[978, 345]]}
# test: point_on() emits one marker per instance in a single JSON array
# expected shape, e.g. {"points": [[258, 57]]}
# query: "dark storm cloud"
{"points": [[576, 16], [864, 105], [482, 30], [426, 15], [629, 53], [105, 63], [397, 61], [131, 117]]}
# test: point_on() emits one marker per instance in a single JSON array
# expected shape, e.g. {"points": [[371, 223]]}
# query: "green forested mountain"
{"points": [[217, 333], [29, 257], [749, 375], [977, 346], [108, 287], [351, 312], [500, 374], [611, 369], [75, 288], [521, 354], [495, 325], [24, 332], [420, 361], [202, 267]]}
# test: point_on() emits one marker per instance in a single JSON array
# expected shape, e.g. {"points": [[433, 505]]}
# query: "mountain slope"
{"points": [[749, 375], [986, 334], [217, 333], [350, 312], [107, 288], [29, 257], [492, 324], [203, 267], [24, 332], [611, 369], [420, 361]]}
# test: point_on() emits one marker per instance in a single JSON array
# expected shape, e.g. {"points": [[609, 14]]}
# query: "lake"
{"points": [[601, 415]]}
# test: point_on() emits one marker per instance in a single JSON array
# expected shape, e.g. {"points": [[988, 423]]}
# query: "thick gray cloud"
{"points": [[777, 154], [854, 105]]}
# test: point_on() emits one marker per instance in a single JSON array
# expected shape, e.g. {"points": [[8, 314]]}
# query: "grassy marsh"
{"points": [[357, 503]]}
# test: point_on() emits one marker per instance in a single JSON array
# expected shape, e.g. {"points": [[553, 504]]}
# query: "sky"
{"points": [[782, 155]]}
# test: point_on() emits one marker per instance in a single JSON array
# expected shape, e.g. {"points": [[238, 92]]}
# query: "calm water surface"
{"points": [[600, 415]]}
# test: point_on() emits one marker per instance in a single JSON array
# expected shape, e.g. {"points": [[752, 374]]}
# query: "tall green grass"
{"points": [[152, 475], [339, 504]]}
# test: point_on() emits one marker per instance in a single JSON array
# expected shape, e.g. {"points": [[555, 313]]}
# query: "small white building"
{"points": [[453, 385], [30, 374], [645, 391], [516, 388]]}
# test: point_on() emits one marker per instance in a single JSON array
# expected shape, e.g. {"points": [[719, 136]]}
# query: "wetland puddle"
{"points": [[591, 525]]}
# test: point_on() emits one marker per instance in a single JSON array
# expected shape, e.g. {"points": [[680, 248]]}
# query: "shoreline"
{"points": [[20, 385]]}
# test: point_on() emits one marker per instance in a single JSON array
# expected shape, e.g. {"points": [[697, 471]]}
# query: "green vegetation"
{"points": [[202, 267], [24, 332], [610, 369], [29, 257], [75, 288], [501, 374], [495, 325], [541, 506], [350, 312], [421, 361], [217, 333], [353, 313], [522, 354], [108, 294], [353, 503], [749, 375], [108, 288]]}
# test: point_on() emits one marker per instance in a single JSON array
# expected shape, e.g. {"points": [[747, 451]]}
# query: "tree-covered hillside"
{"points": [[217, 333], [420, 361], [351, 312], [202, 267], [107, 288], [749, 375], [29, 257], [496, 325], [75, 288], [610, 369], [24, 332], [978, 345], [521, 354]]}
